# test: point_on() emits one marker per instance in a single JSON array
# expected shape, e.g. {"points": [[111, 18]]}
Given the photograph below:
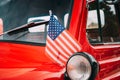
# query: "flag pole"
{"points": [[50, 12]]}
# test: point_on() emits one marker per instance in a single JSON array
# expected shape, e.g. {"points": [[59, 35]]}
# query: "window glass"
{"points": [[15, 13], [110, 29]]}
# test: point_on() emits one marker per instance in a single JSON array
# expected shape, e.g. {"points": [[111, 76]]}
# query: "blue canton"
{"points": [[55, 28]]}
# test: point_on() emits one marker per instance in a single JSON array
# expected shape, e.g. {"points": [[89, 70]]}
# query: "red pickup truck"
{"points": [[94, 24]]}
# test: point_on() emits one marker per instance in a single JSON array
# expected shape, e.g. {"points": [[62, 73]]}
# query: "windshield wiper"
{"points": [[24, 27]]}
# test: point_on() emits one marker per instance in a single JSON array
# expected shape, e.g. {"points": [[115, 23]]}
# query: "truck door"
{"points": [[103, 33]]}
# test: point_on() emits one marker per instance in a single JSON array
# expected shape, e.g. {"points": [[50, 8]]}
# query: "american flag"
{"points": [[60, 44]]}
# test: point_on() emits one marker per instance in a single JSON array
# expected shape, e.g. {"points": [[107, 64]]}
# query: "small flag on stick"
{"points": [[60, 44]]}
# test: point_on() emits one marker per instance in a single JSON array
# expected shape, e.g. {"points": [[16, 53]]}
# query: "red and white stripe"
{"points": [[62, 47]]}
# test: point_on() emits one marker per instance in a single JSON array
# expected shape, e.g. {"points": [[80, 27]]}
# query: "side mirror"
{"points": [[92, 21], [40, 28]]}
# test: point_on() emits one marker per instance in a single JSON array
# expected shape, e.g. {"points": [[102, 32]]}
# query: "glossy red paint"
{"points": [[107, 55], [29, 62]]}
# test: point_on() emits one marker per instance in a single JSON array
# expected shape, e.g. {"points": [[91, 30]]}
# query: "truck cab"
{"points": [[94, 25]]}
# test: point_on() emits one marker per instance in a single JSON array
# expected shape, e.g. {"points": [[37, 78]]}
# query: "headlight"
{"points": [[80, 66]]}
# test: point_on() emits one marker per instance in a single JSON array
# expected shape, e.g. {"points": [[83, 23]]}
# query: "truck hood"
{"points": [[32, 71], [27, 62]]}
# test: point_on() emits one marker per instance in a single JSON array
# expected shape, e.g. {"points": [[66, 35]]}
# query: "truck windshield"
{"points": [[15, 13]]}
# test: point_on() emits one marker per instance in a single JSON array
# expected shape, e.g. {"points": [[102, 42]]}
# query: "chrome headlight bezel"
{"points": [[89, 67]]}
